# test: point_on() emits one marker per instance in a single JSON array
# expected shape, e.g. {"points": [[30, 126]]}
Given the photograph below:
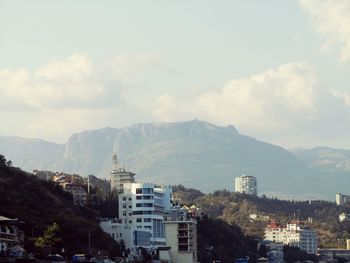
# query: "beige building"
{"points": [[120, 176], [181, 236]]}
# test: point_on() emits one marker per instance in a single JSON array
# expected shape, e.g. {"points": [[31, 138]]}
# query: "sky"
{"points": [[278, 71]]}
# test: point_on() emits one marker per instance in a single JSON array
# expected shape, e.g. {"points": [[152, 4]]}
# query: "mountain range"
{"points": [[194, 153]]}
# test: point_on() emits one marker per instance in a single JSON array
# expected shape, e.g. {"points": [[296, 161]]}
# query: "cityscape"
{"points": [[175, 131]]}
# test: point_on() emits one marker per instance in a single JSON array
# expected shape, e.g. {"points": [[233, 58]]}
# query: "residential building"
{"points": [[343, 217], [80, 196], [293, 234], [142, 208], [133, 238], [246, 185], [341, 199], [119, 176], [181, 236], [143, 205], [10, 235]]}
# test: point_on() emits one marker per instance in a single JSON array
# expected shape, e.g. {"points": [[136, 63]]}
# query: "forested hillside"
{"points": [[235, 208], [40, 204]]}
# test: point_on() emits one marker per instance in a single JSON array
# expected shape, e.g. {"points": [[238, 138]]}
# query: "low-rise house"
{"points": [[10, 235]]}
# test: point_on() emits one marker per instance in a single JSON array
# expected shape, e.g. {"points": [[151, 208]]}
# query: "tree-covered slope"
{"points": [[235, 209], [39, 204]]}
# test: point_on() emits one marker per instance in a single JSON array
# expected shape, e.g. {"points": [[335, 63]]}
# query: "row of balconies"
{"points": [[8, 237]]}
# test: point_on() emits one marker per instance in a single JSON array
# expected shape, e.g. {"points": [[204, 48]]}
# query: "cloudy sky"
{"points": [[277, 70]]}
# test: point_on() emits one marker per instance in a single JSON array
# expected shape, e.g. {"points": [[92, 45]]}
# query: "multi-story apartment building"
{"points": [[341, 199], [142, 209], [293, 234], [181, 237], [246, 185], [119, 176], [143, 206]]}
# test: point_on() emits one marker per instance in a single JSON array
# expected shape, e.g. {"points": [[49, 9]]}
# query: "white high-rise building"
{"points": [[246, 185], [119, 176], [293, 234], [341, 199], [142, 207]]}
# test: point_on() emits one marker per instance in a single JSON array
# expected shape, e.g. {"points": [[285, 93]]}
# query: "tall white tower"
{"points": [[246, 185], [119, 175]]}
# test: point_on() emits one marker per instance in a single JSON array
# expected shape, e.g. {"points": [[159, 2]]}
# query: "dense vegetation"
{"points": [[180, 192], [217, 240], [235, 208], [40, 204]]}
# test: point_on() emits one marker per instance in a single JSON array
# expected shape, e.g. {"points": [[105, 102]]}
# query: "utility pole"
{"points": [[90, 241]]}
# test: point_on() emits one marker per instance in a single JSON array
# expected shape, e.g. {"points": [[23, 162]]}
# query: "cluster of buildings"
{"points": [[148, 219], [246, 184], [295, 233], [71, 183]]}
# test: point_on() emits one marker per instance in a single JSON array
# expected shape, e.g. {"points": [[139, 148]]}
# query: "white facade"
{"points": [[133, 239], [341, 199], [294, 234], [119, 176], [246, 185], [142, 207]]}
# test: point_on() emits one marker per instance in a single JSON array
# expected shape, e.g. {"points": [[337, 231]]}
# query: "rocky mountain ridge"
{"points": [[194, 153]]}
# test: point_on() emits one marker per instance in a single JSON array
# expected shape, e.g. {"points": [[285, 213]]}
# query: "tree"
{"points": [[49, 239]]}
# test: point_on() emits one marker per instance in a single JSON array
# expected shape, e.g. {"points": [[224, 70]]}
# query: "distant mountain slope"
{"points": [[325, 158], [194, 153]]}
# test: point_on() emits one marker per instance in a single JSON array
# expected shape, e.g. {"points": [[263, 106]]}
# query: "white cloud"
{"points": [[59, 98], [331, 18], [72, 83], [286, 102]]}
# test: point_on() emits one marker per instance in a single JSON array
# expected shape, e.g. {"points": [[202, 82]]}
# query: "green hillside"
{"points": [[39, 204], [235, 208]]}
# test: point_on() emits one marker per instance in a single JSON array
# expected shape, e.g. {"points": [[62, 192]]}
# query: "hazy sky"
{"points": [[277, 70]]}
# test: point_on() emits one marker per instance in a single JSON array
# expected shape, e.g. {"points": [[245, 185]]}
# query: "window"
{"points": [[138, 220], [138, 197], [138, 190], [147, 220], [129, 198]]}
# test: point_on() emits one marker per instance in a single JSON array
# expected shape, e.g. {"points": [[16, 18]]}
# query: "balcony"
{"points": [[8, 237]]}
